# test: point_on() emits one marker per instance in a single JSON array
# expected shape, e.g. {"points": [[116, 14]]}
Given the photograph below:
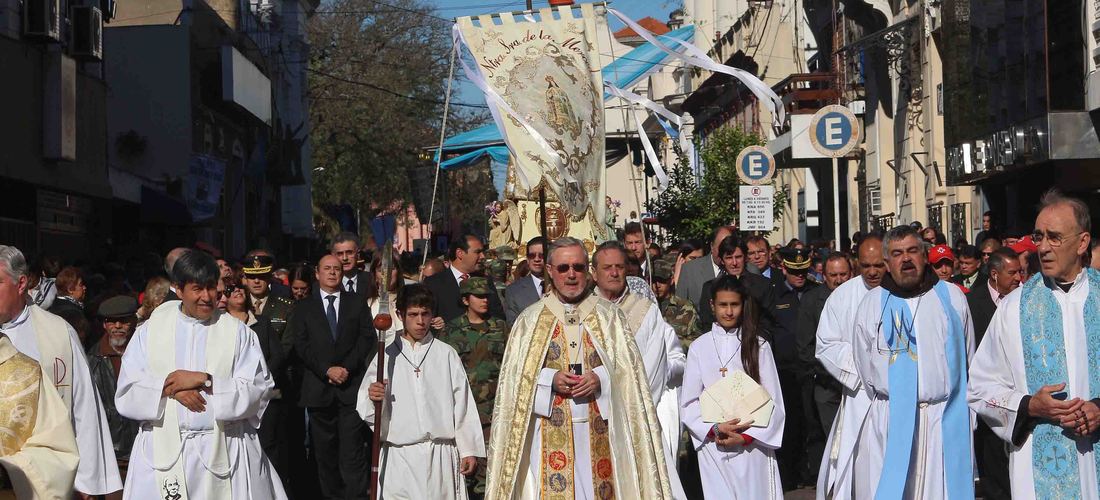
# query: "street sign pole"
{"points": [[836, 204]]}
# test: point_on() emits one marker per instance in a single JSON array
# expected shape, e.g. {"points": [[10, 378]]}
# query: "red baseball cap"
{"points": [[1024, 245], [940, 252]]}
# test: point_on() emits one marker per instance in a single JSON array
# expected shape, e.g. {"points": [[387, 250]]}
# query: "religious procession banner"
{"points": [[543, 84]]}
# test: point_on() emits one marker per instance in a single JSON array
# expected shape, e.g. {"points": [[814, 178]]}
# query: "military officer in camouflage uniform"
{"points": [[479, 339], [678, 312]]}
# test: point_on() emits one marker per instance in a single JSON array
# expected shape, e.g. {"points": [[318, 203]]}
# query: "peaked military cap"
{"points": [[795, 259], [257, 264]]}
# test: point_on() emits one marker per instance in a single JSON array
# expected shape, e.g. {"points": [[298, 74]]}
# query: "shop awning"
{"points": [[624, 72]]}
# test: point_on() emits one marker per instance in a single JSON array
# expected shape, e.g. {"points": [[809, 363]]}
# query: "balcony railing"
{"points": [[805, 93]]}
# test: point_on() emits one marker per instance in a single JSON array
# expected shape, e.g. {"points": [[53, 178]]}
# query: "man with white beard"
{"points": [[834, 351], [52, 342], [662, 352], [104, 362]]}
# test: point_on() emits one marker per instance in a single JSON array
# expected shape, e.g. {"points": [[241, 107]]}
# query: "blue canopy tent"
{"points": [[624, 72]]}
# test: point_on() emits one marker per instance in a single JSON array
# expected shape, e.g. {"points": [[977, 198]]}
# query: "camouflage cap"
{"points": [[506, 253], [475, 285], [662, 269]]}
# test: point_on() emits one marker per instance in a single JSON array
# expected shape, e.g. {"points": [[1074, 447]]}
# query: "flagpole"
{"points": [[439, 158]]}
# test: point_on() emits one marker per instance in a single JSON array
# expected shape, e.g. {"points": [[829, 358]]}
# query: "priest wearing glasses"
{"points": [[573, 416], [1036, 376]]}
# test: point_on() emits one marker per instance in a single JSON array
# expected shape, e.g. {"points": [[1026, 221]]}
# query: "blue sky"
{"points": [[636, 9]]}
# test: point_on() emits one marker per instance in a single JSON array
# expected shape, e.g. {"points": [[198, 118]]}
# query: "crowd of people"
{"points": [[565, 371]]}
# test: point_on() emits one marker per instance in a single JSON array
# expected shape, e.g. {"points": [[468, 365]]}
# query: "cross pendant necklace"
{"points": [[416, 367], [723, 368]]}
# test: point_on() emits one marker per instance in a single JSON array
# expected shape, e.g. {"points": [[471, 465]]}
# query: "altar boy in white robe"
{"points": [[50, 340], [431, 432], [195, 378], [736, 460], [1036, 378]]}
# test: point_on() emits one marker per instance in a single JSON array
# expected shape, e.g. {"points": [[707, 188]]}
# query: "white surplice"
{"points": [[834, 351], [97, 473], [998, 381], [429, 422], [237, 402], [740, 472], [872, 361], [663, 357]]}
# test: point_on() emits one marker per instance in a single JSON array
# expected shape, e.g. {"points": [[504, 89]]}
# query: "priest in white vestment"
{"points": [[37, 445], [662, 353], [574, 418], [196, 380], [736, 461], [834, 351], [913, 339], [51, 341], [431, 432], [1035, 377]]}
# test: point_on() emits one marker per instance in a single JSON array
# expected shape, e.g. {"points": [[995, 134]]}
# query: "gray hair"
{"points": [[344, 237], [609, 245], [172, 257], [1001, 256], [898, 233], [1055, 197], [13, 262], [564, 242]]}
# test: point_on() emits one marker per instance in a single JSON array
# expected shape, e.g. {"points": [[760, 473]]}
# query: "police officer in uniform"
{"points": [[479, 339], [794, 468]]}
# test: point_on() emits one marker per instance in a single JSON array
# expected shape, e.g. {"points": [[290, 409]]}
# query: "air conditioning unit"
{"points": [[42, 19], [87, 33]]}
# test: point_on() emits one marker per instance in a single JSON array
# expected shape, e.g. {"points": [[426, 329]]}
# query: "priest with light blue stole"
{"points": [[1036, 377], [913, 337]]}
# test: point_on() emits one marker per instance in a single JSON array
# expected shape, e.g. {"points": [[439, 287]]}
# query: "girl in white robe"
{"points": [[744, 466]]}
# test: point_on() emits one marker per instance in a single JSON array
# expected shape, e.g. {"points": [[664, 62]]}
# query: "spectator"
{"points": [[70, 299], [989, 245], [156, 290], [301, 281], [988, 228]]}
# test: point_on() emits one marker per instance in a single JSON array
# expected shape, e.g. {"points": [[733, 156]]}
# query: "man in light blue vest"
{"points": [[913, 337], [1036, 376]]}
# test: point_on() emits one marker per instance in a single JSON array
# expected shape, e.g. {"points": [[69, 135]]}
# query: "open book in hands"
{"points": [[736, 396]]}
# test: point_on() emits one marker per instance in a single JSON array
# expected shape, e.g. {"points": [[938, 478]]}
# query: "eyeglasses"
{"points": [[535, 255], [1054, 240], [577, 267]]}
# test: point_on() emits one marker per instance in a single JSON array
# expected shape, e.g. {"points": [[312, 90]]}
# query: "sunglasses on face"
{"points": [[564, 268], [534, 255]]}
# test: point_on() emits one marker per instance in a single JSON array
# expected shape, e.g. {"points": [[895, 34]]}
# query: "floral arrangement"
{"points": [[493, 208]]}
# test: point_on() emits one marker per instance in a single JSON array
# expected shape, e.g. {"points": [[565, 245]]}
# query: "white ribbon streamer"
{"points": [[496, 101], [651, 153], [698, 58], [644, 101]]}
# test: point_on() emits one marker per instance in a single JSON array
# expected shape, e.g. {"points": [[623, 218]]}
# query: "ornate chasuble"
{"points": [[167, 440], [1054, 455], [21, 377], [55, 350], [571, 351]]}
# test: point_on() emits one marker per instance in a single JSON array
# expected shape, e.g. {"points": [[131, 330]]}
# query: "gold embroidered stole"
{"points": [[20, 377], [558, 454]]}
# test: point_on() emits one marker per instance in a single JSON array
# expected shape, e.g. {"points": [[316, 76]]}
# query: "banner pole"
{"points": [[439, 158]]}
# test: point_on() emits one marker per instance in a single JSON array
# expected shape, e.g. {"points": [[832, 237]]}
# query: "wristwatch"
{"points": [[209, 381]]}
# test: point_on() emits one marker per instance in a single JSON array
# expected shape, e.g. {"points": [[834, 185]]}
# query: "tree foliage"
{"points": [[693, 208], [377, 78]]}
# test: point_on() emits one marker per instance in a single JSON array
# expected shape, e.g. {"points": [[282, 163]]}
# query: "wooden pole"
{"points": [[382, 322], [542, 211]]}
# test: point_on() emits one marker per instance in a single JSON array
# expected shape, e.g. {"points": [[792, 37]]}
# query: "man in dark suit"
{"points": [[1004, 277], [345, 247], [467, 258], [527, 290], [732, 253], [760, 256], [970, 268], [335, 338], [699, 271]]}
